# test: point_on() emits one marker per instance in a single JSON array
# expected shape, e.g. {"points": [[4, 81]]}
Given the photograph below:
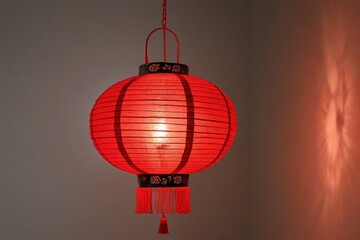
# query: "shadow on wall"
{"points": [[338, 124]]}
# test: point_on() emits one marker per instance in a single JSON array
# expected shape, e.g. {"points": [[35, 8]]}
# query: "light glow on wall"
{"points": [[337, 119]]}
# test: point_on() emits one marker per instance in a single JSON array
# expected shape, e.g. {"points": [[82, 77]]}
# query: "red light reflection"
{"points": [[336, 119]]}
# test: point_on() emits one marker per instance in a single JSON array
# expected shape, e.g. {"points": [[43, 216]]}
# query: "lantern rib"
{"points": [[167, 131], [150, 111], [171, 105], [117, 126], [229, 131], [168, 100], [177, 118], [190, 124], [134, 137]]}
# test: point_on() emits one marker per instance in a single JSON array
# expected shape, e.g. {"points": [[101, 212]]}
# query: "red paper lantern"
{"points": [[163, 125]]}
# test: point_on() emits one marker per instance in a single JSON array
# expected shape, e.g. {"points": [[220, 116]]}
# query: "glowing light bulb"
{"points": [[159, 132]]}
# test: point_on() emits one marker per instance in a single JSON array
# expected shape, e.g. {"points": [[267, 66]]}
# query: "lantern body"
{"points": [[163, 123]]}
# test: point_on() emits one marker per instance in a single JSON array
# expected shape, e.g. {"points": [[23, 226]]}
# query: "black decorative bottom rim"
{"points": [[164, 67], [163, 180]]}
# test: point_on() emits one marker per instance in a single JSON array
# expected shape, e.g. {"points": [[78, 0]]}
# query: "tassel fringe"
{"points": [[163, 200], [183, 200], [144, 200]]}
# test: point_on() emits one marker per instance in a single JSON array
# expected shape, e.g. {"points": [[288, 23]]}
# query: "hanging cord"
{"points": [[163, 23], [164, 15], [164, 29]]}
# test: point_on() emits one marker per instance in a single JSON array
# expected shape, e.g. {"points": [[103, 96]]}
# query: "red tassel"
{"points": [[183, 200], [144, 200], [165, 200], [163, 227]]}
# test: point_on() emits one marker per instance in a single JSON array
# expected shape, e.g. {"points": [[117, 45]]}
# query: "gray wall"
{"points": [[277, 60], [57, 57]]}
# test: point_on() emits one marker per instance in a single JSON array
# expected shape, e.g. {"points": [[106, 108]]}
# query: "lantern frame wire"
{"points": [[165, 29]]}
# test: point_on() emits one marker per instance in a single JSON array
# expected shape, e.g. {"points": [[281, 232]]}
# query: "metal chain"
{"points": [[164, 15]]}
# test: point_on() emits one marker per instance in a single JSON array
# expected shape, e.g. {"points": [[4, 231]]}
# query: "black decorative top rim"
{"points": [[163, 180], [163, 67]]}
